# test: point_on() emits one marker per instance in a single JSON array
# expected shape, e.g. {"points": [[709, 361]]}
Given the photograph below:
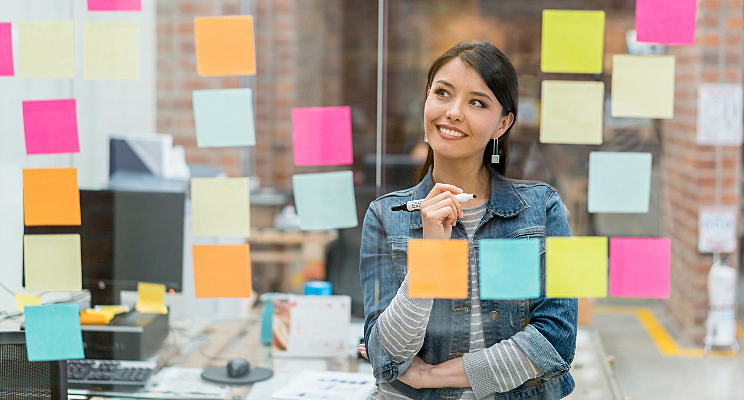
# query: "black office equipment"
{"points": [[109, 375], [220, 375], [129, 336], [21, 379]]}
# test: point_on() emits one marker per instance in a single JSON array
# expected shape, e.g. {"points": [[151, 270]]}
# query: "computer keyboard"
{"points": [[109, 373]]}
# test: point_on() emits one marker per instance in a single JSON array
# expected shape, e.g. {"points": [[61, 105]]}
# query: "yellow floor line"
{"points": [[664, 341]]}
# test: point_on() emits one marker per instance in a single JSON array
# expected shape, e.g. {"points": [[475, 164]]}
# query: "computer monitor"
{"points": [[127, 237]]}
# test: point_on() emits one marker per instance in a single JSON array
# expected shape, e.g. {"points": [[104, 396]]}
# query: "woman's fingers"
{"points": [[442, 188], [445, 210], [363, 351]]}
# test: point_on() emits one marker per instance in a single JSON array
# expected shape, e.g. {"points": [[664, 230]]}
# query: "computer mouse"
{"points": [[238, 367]]}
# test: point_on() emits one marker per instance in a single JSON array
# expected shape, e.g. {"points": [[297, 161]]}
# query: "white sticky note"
{"points": [[619, 182]]}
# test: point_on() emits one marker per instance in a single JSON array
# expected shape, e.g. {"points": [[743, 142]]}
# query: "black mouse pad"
{"points": [[219, 375]]}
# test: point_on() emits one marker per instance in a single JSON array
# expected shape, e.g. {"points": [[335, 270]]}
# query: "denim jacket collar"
{"points": [[503, 201]]}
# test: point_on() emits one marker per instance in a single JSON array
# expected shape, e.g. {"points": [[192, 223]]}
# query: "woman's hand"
{"points": [[417, 375], [440, 210]]}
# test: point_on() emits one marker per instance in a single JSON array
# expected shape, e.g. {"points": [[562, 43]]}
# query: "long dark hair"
{"points": [[501, 78]]}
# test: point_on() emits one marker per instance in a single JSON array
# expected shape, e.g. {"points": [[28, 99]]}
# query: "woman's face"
{"points": [[461, 114]]}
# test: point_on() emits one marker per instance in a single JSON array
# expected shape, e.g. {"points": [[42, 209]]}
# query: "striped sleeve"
{"points": [[402, 326], [499, 368]]}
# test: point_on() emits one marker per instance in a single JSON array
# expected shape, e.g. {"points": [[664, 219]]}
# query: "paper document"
{"points": [[175, 381], [326, 385]]}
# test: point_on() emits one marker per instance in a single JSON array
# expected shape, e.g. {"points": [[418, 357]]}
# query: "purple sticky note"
{"points": [[640, 267], [50, 126], [669, 22], [114, 5], [6, 50], [322, 136]]}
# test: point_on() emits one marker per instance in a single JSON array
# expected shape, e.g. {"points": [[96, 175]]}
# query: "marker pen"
{"points": [[415, 205]]}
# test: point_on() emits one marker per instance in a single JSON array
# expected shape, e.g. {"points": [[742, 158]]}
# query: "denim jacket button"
{"points": [[494, 315]]}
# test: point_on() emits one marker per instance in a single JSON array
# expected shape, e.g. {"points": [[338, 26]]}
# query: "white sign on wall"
{"points": [[719, 119], [716, 229]]}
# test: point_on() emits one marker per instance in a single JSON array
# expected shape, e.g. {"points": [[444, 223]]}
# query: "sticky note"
{"points": [[509, 269], [52, 263], [619, 182], [51, 197], [576, 267], [224, 117], [224, 45], [438, 269], [322, 136], [111, 50], [640, 267], [50, 126], [46, 49], [222, 271], [572, 112], [325, 200], [670, 22], [642, 86], [53, 332], [6, 50], [150, 298], [114, 5], [23, 300], [220, 207], [573, 41]]}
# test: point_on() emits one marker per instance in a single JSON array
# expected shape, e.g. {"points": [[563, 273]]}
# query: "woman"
{"points": [[470, 348]]}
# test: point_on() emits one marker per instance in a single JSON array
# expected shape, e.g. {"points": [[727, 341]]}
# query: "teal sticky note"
{"points": [[325, 200], [224, 118], [53, 332], [619, 182], [509, 269]]}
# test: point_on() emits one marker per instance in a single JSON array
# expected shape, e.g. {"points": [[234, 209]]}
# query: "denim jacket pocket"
{"points": [[399, 251], [536, 232]]}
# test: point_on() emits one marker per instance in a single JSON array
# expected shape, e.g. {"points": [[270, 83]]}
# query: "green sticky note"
{"points": [[576, 267], [52, 263], [572, 112], [53, 332], [325, 200], [220, 206], [643, 86], [224, 118], [46, 49], [619, 182], [573, 41], [509, 268], [111, 50]]}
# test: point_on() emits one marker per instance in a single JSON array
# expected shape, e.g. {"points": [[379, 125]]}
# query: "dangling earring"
{"points": [[495, 156], [426, 139]]}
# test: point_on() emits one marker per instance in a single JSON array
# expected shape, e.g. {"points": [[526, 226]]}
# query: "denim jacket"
{"points": [[544, 328]]}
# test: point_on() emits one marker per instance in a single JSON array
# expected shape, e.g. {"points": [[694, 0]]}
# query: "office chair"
{"points": [[21, 379]]}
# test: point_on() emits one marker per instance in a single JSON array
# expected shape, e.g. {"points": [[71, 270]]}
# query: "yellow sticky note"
{"points": [[576, 267], [220, 206], [438, 269], [23, 300], [573, 41], [52, 263], [113, 310], [111, 50], [572, 112], [150, 300], [46, 49], [643, 86]]}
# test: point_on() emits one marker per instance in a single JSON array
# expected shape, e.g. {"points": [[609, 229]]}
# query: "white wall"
{"points": [[103, 108]]}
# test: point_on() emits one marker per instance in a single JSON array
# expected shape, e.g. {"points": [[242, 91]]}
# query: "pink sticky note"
{"points": [[322, 136], [50, 126], [640, 267], [6, 50], [666, 21], [114, 5]]}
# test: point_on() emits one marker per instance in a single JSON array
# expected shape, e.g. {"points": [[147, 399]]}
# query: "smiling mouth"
{"points": [[450, 132]]}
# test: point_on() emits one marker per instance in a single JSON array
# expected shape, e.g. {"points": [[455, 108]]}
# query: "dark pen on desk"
{"points": [[415, 205]]}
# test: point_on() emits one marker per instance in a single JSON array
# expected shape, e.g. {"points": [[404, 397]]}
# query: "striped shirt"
{"points": [[402, 327]]}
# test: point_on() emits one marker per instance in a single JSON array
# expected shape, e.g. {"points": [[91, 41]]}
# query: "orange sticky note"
{"points": [[438, 268], [222, 271], [224, 45], [51, 197]]}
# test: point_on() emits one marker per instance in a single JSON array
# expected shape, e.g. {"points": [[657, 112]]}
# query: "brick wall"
{"points": [[689, 170]]}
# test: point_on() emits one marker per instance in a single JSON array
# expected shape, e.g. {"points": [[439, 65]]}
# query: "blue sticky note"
{"points": [[53, 332], [224, 118], [619, 182], [509, 269], [325, 200]]}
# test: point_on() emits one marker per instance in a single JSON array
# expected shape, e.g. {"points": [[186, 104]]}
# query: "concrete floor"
{"points": [[644, 373]]}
